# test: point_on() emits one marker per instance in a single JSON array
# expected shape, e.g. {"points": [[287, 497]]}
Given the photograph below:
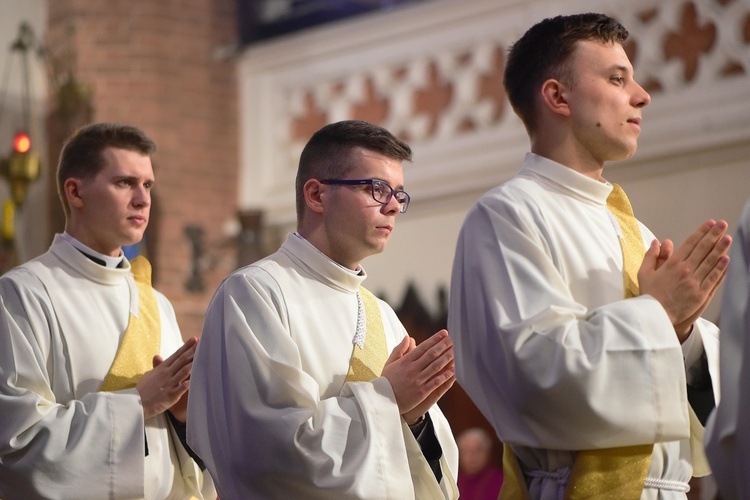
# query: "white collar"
{"points": [[108, 260], [355, 272]]}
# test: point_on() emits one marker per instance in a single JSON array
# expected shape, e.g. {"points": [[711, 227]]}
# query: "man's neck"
{"points": [[356, 270], [590, 169]]}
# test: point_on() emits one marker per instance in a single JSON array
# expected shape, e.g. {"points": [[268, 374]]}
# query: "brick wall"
{"points": [[155, 65]]}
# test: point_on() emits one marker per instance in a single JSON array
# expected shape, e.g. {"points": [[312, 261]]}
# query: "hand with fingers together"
{"points": [[686, 279], [420, 375], [165, 387]]}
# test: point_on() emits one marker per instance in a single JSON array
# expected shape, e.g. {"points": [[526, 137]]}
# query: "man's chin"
{"points": [[379, 245], [373, 249], [132, 239], [626, 153]]}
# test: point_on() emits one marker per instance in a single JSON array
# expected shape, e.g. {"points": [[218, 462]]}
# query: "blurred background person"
{"points": [[478, 476]]}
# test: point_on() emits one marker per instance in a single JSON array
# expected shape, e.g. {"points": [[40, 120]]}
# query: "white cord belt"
{"points": [[666, 484]]}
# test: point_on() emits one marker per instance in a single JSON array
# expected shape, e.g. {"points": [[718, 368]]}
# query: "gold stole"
{"points": [[142, 339], [367, 362], [617, 473]]}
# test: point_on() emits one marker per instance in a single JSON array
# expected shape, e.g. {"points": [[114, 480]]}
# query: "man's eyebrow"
{"points": [[621, 67], [134, 178]]}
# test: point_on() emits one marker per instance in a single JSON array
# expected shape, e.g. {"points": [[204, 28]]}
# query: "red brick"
{"points": [[150, 64]]}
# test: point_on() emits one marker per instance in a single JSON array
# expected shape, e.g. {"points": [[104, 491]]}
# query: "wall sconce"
{"points": [[22, 166], [247, 245], [195, 283]]}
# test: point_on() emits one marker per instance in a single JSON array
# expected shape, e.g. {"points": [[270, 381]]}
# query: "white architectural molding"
{"points": [[469, 146]]}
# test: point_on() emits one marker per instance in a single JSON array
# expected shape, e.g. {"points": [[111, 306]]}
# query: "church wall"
{"points": [[431, 73], [164, 67]]}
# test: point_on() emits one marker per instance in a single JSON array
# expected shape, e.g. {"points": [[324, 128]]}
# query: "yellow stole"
{"points": [[367, 362], [616, 473], [142, 339]]}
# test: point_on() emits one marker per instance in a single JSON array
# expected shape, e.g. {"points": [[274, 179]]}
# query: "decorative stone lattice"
{"points": [[674, 45]]}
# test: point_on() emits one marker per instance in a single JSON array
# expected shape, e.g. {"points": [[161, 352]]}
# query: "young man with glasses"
{"points": [[293, 392]]}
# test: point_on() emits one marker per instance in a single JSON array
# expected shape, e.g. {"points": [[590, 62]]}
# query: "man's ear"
{"points": [[554, 97], [314, 193], [72, 192]]}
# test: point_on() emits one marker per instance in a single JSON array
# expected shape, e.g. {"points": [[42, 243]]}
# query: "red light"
{"points": [[22, 143]]}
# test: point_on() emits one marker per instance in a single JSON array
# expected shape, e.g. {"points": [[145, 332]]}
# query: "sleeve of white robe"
{"points": [[50, 449], [548, 371], [728, 432], [257, 419]]}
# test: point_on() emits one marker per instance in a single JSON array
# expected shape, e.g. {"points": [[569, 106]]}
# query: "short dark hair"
{"points": [[544, 51], [328, 153], [82, 157]]}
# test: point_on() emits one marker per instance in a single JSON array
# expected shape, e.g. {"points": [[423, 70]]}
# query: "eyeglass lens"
{"points": [[382, 193]]}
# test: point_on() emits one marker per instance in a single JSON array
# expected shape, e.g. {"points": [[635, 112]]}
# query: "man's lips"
{"points": [[636, 121], [139, 219]]}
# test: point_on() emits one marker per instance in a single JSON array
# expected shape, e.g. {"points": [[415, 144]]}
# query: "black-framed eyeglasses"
{"points": [[382, 192]]}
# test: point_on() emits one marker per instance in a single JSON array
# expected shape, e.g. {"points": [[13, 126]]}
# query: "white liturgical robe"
{"points": [[547, 346], [728, 429], [62, 317], [270, 412]]}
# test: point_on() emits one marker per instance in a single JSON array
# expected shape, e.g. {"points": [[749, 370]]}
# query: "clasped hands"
{"points": [[686, 279], [420, 374], [165, 387]]}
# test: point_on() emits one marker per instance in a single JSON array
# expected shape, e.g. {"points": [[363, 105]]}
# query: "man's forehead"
{"points": [[119, 161], [113, 151], [610, 55]]}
